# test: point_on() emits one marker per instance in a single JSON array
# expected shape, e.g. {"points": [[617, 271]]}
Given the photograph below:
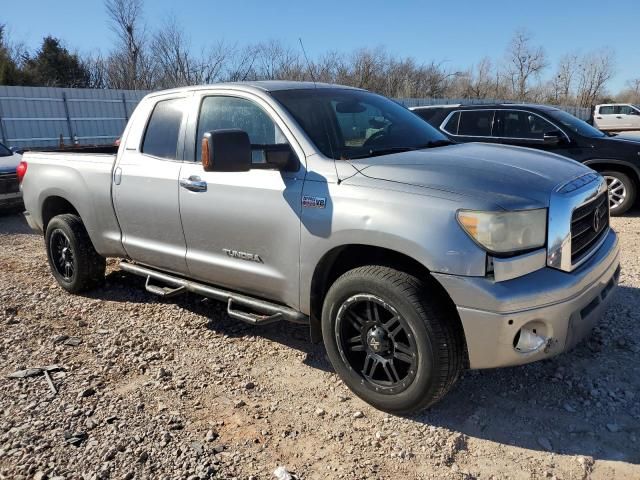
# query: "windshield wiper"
{"points": [[389, 150]]}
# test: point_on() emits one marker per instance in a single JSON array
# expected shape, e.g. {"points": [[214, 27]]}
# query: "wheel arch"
{"points": [[602, 164], [55, 205], [343, 258]]}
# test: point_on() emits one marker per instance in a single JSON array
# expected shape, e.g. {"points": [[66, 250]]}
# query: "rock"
{"points": [[162, 374], [143, 457], [76, 438], [358, 414], [72, 342], [320, 412], [211, 436], [545, 443], [239, 404], [281, 473], [197, 447], [111, 419], [568, 408], [87, 392], [380, 435], [110, 455], [249, 386]]}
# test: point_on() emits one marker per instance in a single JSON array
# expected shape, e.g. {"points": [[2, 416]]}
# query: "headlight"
{"points": [[506, 232]]}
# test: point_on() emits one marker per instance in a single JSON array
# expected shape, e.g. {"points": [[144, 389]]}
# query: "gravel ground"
{"points": [[175, 389]]}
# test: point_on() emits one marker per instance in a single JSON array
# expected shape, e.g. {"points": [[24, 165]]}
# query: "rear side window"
{"points": [[161, 137], [452, 124], [476, 123]]}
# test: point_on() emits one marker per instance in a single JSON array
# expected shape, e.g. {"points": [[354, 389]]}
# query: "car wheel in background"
{"points": [[622, 192]]}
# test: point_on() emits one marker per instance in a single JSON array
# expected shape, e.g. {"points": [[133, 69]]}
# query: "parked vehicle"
{"points": [[546, 128], [616, 117], [10, 195], [412, 258]]}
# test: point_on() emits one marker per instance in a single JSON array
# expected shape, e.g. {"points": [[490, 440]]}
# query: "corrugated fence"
{"points": [[39, 116]]}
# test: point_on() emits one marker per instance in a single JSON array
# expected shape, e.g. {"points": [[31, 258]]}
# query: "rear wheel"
{"points": [[74, 262], [392, 342], [622, 192]]}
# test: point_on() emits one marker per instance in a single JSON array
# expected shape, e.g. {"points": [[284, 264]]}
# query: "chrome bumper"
{"points": [[561, 306]]}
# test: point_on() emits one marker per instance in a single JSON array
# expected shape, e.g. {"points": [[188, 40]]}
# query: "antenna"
{"points": [[324, 125]]}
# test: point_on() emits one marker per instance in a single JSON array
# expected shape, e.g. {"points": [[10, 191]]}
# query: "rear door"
{"points": [[145, 190], [242, 229], [605, 117], [523, 128], [470, 125]]}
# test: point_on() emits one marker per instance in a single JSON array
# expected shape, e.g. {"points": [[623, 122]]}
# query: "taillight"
{"points": [[21, 170]]}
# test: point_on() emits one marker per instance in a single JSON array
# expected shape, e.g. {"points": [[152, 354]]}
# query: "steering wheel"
{"points": [[379, 134]]}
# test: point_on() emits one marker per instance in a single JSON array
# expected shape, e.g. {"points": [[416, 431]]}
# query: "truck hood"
{"points": [[510, 177]]}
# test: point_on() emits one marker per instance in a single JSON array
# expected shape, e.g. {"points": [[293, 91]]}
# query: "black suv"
{"points": [[546, 128]]}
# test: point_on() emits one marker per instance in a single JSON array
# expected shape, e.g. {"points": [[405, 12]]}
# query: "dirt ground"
{"points": [[174, 389]]}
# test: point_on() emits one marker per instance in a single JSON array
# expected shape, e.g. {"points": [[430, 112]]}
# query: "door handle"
{"points": [[117, 175], [194, 183], [618, 116]]}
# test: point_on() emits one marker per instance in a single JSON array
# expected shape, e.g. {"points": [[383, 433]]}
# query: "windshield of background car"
{"points": [[575, 124], [346, 124], [4, 151]]}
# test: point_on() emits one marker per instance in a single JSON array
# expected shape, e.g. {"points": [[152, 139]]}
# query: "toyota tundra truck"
{"points": [[412, 257]]}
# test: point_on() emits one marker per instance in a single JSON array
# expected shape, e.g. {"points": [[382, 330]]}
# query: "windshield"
{"points": [[346, 124], [575, 124]]}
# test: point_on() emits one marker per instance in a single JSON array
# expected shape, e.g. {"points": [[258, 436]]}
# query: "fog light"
{"points": [[528, 341]]}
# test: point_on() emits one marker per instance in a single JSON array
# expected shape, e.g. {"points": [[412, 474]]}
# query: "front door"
{"points": [[242, 229], [145, 192]]}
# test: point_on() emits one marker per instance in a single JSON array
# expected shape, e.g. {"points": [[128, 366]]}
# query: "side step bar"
{"points": [[255, 311]]}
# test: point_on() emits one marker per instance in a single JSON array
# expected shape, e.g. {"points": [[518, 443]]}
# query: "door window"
{"points": [[476, 123], [161, 137], [232, 112], [526, 125], [607, 110], [623, 110], [452, 124]]}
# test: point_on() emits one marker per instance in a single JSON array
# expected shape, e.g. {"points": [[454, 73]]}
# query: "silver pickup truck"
{"points": [[412, 258]]}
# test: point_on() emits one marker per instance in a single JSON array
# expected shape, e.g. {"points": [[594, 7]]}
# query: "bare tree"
{"points": [[129, 65], [631, 94], [595, 69], [564, 79], [524, 63], [173, 64]]}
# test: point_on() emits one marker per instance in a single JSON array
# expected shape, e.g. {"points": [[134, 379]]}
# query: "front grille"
{"points": [[9, 183], [586, 230]]}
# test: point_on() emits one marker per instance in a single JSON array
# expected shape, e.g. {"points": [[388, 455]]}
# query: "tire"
{"points": [[74, 262], [434, 341], [622, 192]]}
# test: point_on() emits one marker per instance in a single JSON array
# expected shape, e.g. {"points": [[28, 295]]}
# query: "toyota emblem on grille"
{"points": [[596, 220]]}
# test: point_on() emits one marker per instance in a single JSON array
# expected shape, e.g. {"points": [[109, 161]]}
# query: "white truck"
{"points": [[616, 117]]}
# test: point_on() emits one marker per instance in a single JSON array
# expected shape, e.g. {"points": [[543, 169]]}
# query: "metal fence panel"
{"points": [[39, 116]]}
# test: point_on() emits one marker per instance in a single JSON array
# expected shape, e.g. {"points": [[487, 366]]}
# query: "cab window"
{"points": [[163, 129], [218, 112]]}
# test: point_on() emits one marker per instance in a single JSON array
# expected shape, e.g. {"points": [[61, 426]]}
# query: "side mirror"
{"points": [[226, 150], [551, 139]]}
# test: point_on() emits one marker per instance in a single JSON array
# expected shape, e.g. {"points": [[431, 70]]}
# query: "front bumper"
{"points": [[561, 306]]}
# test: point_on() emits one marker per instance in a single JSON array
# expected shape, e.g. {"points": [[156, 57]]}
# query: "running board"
{"points": [[254, 311]]}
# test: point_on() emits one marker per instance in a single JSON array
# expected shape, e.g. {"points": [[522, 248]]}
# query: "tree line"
{"points": [[144, 59]]}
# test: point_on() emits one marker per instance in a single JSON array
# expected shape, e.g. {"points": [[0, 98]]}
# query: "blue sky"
{"points": [[457, 33]]}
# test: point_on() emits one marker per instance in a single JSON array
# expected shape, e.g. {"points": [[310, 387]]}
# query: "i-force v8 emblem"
{"points": [[314, 202]]}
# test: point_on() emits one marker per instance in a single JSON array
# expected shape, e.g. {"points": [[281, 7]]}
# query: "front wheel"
{"points": [[74, 262], [391, 339], [622, 192]]}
